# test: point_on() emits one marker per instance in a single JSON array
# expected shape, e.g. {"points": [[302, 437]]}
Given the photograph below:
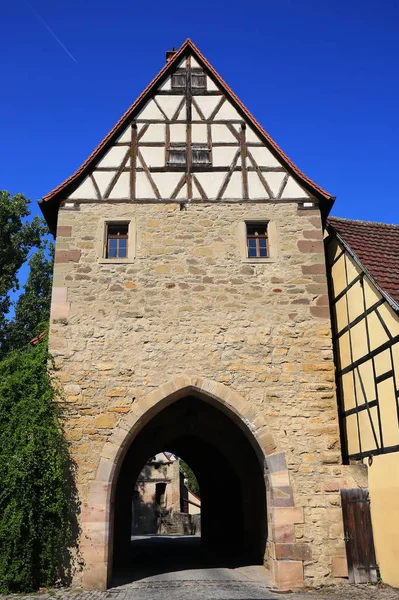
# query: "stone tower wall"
{"points": [[188, 303]]}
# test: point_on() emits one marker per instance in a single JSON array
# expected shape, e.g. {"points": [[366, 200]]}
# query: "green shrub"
{"points": [[38, 500]]}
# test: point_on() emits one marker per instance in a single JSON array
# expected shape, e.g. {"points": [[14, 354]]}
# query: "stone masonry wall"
{"points": [[188, 304]]}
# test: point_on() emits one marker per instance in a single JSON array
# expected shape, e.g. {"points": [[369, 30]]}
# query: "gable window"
{"points": [[257, 240], [116, 245], [198, 80], [179, 80], [177, 155], [200, 155]]}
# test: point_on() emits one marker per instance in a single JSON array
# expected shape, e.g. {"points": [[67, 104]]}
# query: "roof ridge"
{"points": [[361, 221]]}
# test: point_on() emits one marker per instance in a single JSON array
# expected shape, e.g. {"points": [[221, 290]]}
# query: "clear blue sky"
{"points": [[320, 75]]}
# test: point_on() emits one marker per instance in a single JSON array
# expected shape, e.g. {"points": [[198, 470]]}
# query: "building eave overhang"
{"points": [[393, 304], [50, 203]]}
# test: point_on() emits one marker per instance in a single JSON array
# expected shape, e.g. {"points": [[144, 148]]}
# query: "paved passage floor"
{"points": [[176, 568]]}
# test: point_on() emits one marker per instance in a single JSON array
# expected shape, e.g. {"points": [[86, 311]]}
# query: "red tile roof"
{"points": [[65, 188], [376, 245]]}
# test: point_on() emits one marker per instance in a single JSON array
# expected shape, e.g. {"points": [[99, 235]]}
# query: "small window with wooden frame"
{"points": [[179, 80], [177, 155], [200, 155], [257, 240], [116, 240], [198, 80]]}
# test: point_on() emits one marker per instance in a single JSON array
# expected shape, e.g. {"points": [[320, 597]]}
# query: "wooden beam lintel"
{"points": [[192, 201]]}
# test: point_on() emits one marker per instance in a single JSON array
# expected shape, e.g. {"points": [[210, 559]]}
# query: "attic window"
{"points": [[200, 155], [257, 240], [198, 80], [177, 155], [116, 240], [179, 80]]}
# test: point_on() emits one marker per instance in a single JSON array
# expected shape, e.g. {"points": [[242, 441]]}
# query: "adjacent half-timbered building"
{"points": [[190, 313], [363, 261]]}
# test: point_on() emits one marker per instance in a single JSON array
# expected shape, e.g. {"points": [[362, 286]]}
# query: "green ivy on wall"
{"points": [[38, 500]]}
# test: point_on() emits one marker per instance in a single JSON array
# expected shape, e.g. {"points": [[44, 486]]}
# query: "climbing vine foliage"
{"points": [[38, 502]]}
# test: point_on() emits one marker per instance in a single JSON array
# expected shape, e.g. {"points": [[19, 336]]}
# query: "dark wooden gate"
{"points": [[362, 567]]}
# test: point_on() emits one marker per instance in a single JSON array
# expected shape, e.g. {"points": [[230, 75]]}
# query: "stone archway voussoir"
{"points": [[105, 470], [110, 451], [266, 441], [118, 436]]}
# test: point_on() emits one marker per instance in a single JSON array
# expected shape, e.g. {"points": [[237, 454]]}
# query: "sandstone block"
{"points": [[331, 458], [300, 551], [64, 231], [336, 530], [283, 534], [162, 269], [334, 485], [287, 574], [309, 246], [98, 492], [320, 312], [313, 234], [339, 566], [92, 513], [282, 496], [59, 310], [267, 442], [280, 479], [323, 300], [316, 269], [277, 463], [287, 516], [66, 256], [72, 389], [105, 421], [95, 576], [117, 392], [317, 367], [59, 294], [309, 213], [93, 553]]}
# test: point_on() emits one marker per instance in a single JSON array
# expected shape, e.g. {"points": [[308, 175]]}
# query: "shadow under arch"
{"points": [[231, 478], [255, 450]]}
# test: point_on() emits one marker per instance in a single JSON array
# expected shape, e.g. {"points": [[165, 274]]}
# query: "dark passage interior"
{"points": [[230, 474]]}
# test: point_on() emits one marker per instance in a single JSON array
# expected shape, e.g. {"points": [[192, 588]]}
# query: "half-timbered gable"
{"points": [[188, 139], [363, 261]]}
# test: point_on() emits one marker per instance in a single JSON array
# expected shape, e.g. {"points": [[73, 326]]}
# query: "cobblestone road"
{"points": [[172, 568]]}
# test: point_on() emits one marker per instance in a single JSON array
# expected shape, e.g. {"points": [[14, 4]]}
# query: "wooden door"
{"points": [[362, 567]]}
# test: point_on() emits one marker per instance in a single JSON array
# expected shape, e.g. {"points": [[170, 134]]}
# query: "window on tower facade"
{"points": [[116, 243], [257, 240]]}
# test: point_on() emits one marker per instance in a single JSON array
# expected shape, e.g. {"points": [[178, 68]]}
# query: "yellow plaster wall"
{"points": [[384, 496], [384, 472]]}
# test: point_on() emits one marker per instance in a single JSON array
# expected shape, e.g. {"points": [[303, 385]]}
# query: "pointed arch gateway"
{"points": [[280, 515]]}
